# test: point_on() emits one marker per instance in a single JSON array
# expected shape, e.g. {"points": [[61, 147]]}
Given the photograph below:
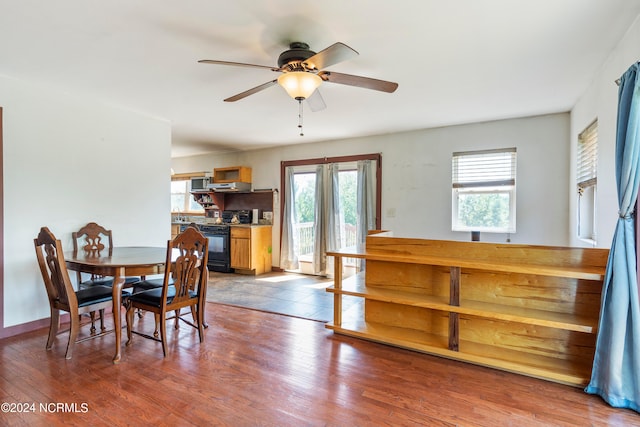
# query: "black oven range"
{"points": [[219, 245]]}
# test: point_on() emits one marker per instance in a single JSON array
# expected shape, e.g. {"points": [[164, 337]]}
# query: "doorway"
{"points": [[327, 204], [305, 208]]}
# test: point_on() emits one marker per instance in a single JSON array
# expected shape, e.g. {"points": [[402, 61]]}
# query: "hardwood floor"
{"points": [[264, 369]]}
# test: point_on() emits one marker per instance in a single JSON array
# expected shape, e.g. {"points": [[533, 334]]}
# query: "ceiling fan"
{"points": [[303, 71]]}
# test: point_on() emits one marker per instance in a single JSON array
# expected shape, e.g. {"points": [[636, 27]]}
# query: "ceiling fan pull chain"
{"points": [[300, 117]]}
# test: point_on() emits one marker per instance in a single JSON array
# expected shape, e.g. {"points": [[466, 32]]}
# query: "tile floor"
{"points": [[290, 294]]}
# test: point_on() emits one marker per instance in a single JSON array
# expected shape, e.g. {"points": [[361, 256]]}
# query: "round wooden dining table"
{"points": [[118, 263]]}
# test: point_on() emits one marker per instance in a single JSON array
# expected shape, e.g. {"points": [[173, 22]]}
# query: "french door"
{"points": [[324, 208]]}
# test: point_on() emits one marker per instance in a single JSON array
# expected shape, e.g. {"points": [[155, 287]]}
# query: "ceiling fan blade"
{"points": [[335, 53], [237, 64], [251, 91], [316, 102], [359, 81]]}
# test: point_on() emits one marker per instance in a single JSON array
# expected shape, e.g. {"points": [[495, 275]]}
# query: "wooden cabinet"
{"points": [[251, 249], [241, 248], [532, 310], [232, 174]]}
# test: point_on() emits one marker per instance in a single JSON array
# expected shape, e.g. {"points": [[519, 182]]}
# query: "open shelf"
{"points": [[532, 310], [570, 372], [356, 286], [585, 272], [241, 200]]}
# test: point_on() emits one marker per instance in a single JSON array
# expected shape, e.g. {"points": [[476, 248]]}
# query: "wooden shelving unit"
{"points": [[238, 200], [207, 200], [527, 309]]}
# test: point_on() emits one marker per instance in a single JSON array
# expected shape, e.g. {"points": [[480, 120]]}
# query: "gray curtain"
{"points": [[616, 366], [319, 262], [334, 218], [335, 221], [366, 201], [288, 256], [365, 206]]}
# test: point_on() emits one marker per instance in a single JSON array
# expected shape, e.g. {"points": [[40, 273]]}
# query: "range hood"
{"points": [[230, 186]]}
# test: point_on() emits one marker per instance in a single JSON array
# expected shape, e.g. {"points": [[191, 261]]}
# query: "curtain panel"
{"points": [[616, 366], [319, 262], [335, 221], [288, 256], [366, 202]]}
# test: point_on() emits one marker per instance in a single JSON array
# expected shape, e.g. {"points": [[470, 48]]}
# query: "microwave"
{"points": [[200, 183]]}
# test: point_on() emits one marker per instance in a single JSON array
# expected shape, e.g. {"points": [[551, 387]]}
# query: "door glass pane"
{"points": [[348, 207], [304, 232]]}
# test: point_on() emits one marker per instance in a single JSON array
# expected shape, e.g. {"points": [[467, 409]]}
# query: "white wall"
{"points": [[600, 101], [69, 161], [416, 175]]}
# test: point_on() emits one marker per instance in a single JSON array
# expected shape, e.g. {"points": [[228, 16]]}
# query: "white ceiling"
{"points": [[455, 61]]}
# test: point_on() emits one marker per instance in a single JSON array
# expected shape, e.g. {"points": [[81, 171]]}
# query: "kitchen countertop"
{"points": [[213, 223]]}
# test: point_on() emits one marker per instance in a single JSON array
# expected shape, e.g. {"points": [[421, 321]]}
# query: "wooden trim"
{"points": [[454, 286], [454, 300], [31, 326], [326, 160], [454, 331]]}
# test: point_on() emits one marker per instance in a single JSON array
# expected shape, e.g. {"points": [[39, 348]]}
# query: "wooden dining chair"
{"points": [[62, 296], [184, 285], [94, 239]]}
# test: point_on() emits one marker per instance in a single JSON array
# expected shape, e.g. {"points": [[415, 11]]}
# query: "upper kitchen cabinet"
{"points": [[232, 174]]}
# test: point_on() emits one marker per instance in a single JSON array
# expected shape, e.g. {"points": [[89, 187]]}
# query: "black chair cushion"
{"points": [[145, 285], [93, 295], [154, 296], [108, 281]]}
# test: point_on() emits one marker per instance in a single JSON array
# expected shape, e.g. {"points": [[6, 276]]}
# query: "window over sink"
{"points": [[181, 199]]}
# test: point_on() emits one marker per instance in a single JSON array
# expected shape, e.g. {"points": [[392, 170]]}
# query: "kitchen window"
{"points": [[587, 180], [484, 191], [181, 199]]}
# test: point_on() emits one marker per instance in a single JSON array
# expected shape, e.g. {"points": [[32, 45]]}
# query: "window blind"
{"points": [[588, 156], [487, 168]]}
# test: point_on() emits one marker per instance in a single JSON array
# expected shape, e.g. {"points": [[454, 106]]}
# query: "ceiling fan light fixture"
{"points": [[299, 84]]}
